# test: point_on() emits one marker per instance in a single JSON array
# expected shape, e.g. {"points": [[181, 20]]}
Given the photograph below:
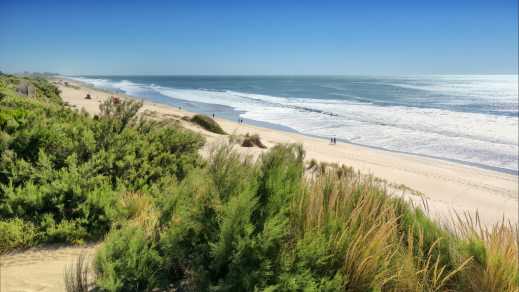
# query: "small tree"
{"points": [[121, 113]]}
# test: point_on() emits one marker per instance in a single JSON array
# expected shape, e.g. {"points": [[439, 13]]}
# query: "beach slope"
{"points": [[448, 187]]}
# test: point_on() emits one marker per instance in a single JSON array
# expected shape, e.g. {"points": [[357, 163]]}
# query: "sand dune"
{"points": [[448, 187]]}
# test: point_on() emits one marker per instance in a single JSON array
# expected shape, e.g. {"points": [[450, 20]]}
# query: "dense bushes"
{"points": [[43, 90], [238, 225], [16, 233], [230, 223], [61, 172], [207, 123]]}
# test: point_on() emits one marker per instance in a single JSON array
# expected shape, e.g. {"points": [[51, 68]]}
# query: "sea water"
{"points": [[471, 119]]}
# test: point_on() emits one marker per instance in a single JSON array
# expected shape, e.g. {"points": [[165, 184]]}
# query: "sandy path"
{"points": [[39, 269], [449, 187]]}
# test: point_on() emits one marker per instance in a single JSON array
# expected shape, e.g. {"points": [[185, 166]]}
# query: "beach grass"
{"points": [[252, 140], [208, 124], [77, 275], [247, 140], [173, 220], [244, 225]]}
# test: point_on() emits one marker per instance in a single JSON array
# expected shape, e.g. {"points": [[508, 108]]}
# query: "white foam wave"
{"points": [[472, 137], [501, 87]]}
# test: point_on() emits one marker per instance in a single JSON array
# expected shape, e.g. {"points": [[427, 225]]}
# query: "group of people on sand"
{"points": [[333, 140]]}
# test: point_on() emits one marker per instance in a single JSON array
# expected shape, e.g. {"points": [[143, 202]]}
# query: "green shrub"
{"points": [[128, 262], [65, 231], [15, 233], [226, 224], [63, 171], [207, 123], [238, 225], [230, 172]]}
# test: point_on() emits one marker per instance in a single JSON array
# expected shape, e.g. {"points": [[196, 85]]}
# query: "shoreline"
{"points": [[449, 186], [232, 114], [460, 162]]}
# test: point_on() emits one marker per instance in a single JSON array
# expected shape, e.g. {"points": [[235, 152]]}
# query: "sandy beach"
{"points": [[40, 268], [171, 146], [447, 187]]}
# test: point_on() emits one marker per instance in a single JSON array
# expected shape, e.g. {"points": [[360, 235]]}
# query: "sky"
{"points": [[259, 37]]}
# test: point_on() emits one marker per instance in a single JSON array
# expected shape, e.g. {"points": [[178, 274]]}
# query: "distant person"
{"points": [[213, 116]]}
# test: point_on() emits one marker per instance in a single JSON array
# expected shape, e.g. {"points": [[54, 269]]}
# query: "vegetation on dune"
{"points": [[61, 172], [247, 140], [235, 225], [77, 276], [252, 140], [229, 223], [43, 90], [208, 124]]}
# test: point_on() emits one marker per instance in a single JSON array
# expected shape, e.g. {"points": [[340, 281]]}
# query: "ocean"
{"points": [[472, 119]]}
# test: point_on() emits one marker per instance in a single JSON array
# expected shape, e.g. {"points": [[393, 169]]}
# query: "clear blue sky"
{"points": [[259, 37]]}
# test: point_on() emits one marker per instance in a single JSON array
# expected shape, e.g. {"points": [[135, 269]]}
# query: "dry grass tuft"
{"points": [[252, 140], [77, 275], [494, 253]]}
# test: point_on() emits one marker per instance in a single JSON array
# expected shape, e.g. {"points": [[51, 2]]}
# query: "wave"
{"points": [[502, 87], [479, 138]]}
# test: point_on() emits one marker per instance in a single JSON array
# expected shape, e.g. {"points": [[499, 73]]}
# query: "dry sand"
{"points": [[39, 269], [447, 186]]}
